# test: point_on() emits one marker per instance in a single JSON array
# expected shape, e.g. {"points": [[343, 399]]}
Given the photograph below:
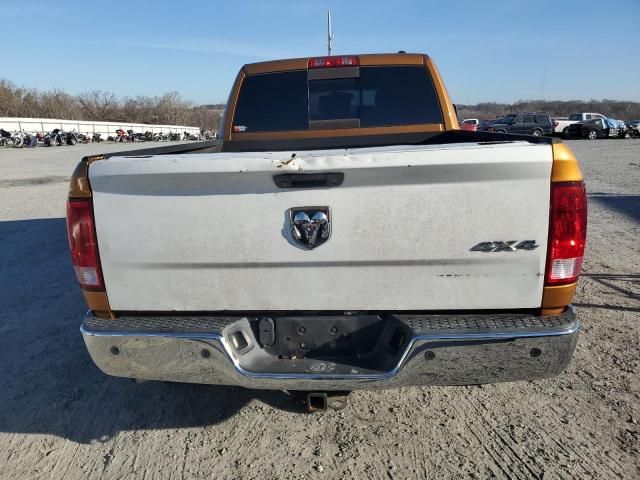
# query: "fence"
{"points": [[106, 129]]}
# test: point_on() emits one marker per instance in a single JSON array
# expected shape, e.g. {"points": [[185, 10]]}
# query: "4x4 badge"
{"points": [[310, 226], [502, 246]]}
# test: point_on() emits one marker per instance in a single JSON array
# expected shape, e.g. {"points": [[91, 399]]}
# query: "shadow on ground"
{"points": [[628, 205], [621, 285], [50, 385]]}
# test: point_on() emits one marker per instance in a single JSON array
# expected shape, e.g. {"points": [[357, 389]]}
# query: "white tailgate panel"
{"points": [[210, 232]]}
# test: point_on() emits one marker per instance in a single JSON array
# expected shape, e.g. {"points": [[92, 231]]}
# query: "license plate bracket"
{"points": [[327, 336]]}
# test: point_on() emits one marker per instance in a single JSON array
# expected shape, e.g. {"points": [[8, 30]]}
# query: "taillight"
{"points": [[332, 62], [83, 244], [567, 232]]}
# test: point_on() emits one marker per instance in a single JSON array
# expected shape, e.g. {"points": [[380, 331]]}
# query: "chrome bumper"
{"points": [[406, 350]]}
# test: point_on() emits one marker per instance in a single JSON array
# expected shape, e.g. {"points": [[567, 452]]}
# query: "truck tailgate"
{"points": [[211, 232]]}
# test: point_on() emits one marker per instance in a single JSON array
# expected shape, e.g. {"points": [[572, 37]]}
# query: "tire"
{"points": [[627, 135], [592, 135], [536, 132], [565, 132]]}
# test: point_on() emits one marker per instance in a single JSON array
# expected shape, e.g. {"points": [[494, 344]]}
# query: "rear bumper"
{"points": [[392, 350]]}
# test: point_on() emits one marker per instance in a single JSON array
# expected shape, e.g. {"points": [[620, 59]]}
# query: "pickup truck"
{"points": [[561, 124], [345, 234]]}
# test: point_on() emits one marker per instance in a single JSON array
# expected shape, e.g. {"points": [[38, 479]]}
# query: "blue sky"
{"points": [[486, 50]]}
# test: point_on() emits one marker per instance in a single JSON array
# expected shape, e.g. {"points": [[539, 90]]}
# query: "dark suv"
{"points": [[536, 124]]}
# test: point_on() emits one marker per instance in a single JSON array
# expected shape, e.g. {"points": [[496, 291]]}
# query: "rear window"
{"points": [[379, 96], [273, 102], [543, 119]]}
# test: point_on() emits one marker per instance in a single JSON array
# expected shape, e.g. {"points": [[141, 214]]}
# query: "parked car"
{"points": [[536, 124], [597, 128], [261, 263], [484, 124], [470, 124], [561, 124]]}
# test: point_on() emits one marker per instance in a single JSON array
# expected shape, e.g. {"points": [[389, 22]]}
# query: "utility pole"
{"points": [[329, 34]]}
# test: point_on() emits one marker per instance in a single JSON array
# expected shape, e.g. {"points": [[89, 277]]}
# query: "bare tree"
{"points": [[98, 105], [58, 104], [618, 109], [8, 94]]}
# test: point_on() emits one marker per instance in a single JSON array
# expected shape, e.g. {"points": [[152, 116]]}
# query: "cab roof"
{"points": [[369, 59]]}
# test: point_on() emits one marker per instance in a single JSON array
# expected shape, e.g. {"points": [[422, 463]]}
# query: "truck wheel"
{"points": [[536, 132], [565, 132], [592, 135]]}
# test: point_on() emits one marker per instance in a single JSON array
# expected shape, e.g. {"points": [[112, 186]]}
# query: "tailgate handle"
{"points": [[309, 180]]}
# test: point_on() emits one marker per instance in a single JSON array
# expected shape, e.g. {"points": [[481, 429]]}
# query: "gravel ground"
{"points": [[60, 417]]}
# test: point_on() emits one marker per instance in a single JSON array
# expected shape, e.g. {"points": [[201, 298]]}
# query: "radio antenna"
{"points": [[329, 34]]}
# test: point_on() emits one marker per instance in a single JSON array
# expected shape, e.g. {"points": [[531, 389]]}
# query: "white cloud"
{"points": [[204, 45]]}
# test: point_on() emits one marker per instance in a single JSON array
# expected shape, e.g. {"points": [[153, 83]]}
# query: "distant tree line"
{"points": [[97, 105], [620, 110], [171, 109]]}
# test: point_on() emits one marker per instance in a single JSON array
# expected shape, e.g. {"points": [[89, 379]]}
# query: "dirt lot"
{"points": [[60, 417]]}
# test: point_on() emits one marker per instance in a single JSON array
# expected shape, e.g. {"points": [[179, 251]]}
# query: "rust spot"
{"points": [[287, 162]]}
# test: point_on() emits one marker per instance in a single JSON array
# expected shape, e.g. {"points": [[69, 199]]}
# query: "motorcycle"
{"points": [[8, 139], [96, 138], [53, 138], [160, 137], [121, 136], [5, 137], [190, 136], [70, 138], [18, 139], [82, 138], [29, 140], [136, 137]]}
